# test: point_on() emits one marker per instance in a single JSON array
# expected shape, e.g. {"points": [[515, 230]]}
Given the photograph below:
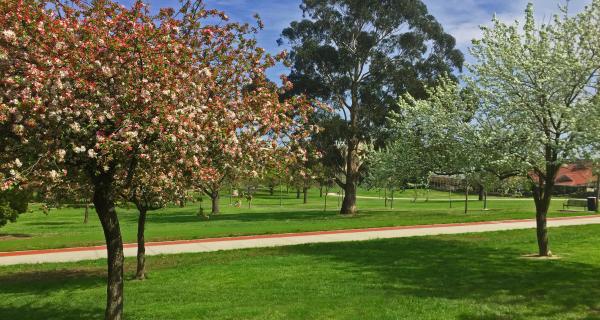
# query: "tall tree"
{"points": [[537, 85], [359, 56]]}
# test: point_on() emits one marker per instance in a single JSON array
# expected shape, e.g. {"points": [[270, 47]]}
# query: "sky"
{"points": [[460, 18]]}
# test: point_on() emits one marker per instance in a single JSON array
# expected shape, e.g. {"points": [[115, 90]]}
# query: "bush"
{"points": [[12, 203]]}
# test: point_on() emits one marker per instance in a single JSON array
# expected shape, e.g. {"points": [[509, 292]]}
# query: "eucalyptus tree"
{"points": [[537, 83], [360, 56]]}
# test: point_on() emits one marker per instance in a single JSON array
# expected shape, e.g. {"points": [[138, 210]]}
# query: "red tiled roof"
{"points": [[573, 175]]}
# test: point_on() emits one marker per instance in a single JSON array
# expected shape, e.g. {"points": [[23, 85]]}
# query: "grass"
{"points": [[64, 227], [470, 276]]}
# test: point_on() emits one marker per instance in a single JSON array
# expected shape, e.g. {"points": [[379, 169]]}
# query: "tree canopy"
{"points": [[360, 56]]}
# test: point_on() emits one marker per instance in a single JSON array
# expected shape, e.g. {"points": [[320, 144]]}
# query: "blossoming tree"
{"points": [[87, 91], [537, 87]]}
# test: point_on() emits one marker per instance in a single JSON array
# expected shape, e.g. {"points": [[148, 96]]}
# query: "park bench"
{"points": [[575, 203]]}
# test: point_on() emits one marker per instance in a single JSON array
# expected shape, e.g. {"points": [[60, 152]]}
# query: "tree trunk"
{"points": [[214, 198], [542, 195], [541, 212], [86, 215], [297, 193], [349, 202], [271, 190], [326, 192], [305, 192], [466, 198], [485, 203], [392, 199], [320, 191], [280, 194], [385, 197], [140, 274], [597, 193], [481, 192], [105, 208]]}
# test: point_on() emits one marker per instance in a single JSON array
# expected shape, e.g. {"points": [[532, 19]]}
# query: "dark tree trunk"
{"points": [[481, 192], [105, 208], [271, 190], [305, 193], [141, 244], [86, 215], [321, 191], [297, 193], [215, 197], [485, 203]]}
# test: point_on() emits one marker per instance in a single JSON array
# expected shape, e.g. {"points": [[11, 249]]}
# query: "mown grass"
{"points": [[471, 276], [64, 227]]}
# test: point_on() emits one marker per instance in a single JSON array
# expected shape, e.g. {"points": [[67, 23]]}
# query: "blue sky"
{"points": [[461, 18]]}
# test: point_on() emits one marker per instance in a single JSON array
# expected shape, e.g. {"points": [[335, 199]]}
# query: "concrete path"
{"points": [[215, 244]]}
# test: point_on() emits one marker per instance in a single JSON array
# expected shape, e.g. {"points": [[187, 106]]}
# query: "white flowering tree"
{"points": [[537, 83]]}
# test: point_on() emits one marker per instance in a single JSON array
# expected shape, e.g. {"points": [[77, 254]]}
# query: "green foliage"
{"points": [[12, 203]]}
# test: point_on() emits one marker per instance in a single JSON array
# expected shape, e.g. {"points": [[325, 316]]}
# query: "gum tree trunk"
{"points": [[349, 202], [86, 215], [141, 244], [105, 208]]}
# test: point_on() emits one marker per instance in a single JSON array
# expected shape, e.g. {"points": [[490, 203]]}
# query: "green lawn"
{"points": [[65, 228], [472, 276]]}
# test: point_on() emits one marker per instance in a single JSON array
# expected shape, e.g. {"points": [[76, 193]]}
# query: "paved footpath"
{"points": [[274, 240]]}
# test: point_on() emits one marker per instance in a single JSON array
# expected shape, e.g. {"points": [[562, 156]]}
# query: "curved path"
{"points": [[272, 240]]}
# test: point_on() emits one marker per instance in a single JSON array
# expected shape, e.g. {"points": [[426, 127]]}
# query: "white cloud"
{"points": [[462, 18]]}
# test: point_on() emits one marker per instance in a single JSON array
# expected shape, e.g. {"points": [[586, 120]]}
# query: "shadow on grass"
{"points": [[39, 282], [459, 270], [42, 283], [51, 223], [49, 312], [6, 236], [187, 216]]}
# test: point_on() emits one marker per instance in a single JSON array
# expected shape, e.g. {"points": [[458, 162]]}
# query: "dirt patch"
{"points": [[12, 236], [535, 256]]}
